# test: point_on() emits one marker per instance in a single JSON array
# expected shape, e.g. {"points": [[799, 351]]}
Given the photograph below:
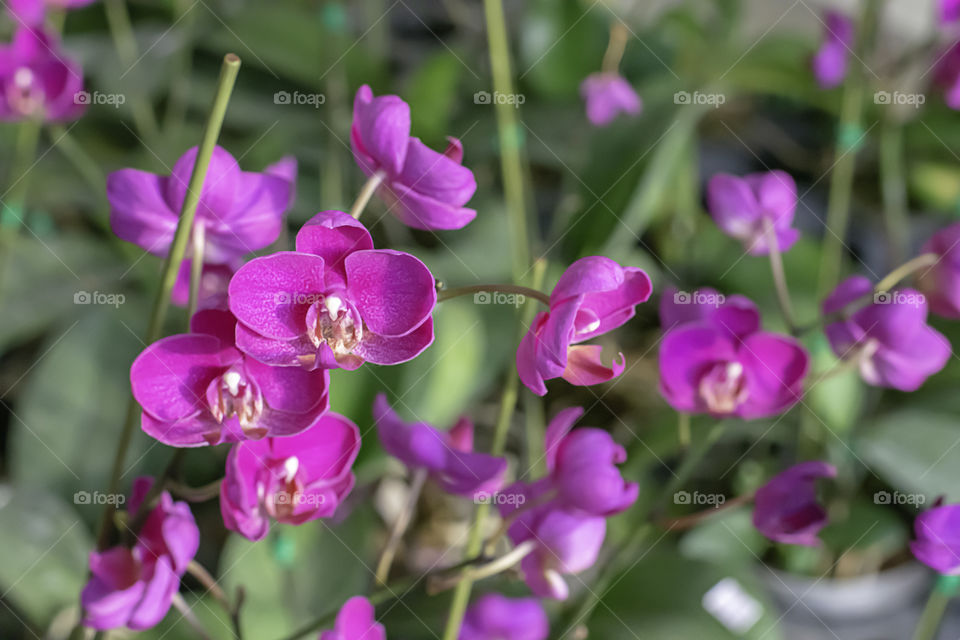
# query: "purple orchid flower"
{"points": [[940, 283], [496, 617], [356, 621], [447, 456], [424, 189], [335, 301], [32, 12], [830, 62], [292, 480], [786, 508], [38, 79], [607, 95], [240, 211], [134, 587], [949, 11], [744, 207], [582, 467], [946, 75], [715, 359], [198, 389], [593, 296], [566, 540], [938, 543], [890, 336]]}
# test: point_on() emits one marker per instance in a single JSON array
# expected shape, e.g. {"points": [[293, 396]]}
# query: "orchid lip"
{"points": [[331, 320], [25, 94], [232, 394], [723, 387]]}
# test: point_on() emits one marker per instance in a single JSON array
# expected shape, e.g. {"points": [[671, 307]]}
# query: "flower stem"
{"points": [[615, 47], [909, 267], [400, 526], [944, 589], [195, 494], [779, 277], [369, 187], [478, 572], [456, 292], [894, 189], [689, 521], [683, 429], [125, 43], [181, 605], [508, 132], [196, 267], [228, 76], [850, 136]]}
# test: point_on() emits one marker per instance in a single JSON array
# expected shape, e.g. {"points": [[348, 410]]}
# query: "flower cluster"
{"points": [[563, 515], [134, 586]]}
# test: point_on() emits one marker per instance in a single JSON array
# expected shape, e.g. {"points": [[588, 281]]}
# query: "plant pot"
{"points": [[882, 606]]}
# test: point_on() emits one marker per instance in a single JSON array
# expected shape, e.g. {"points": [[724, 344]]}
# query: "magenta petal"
{"points": [[198, 431], [393, 291], [587, 275], [289, 388], [733, 205], [777, 196], [786, 508], [157, 597], [170, 377], [494, 616], [585, 366], [333, 235], [436, 175], [527, 360], [908, 367], [415, 444], [138, 211], [557, 430], [775, 367], [271, 294], [380, 350], [256, 218], [850, 290], [356, 621], [685, 354], [420, 211], [297, 352], [219, 187], [380, 131]]}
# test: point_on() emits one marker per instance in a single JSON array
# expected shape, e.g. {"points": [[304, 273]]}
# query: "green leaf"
{"points": [[297, 573], [72, 406], [43, 552], [916, 451]]}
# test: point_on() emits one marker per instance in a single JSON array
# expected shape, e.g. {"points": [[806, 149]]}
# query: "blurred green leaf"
{"points": [[916, 451], [43, 552], [297, 573], [72, 407]]}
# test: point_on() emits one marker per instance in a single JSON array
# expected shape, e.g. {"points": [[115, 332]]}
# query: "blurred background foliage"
{"points": [[631, 191]]}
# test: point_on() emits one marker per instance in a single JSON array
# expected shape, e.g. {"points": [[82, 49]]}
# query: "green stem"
{"points": [[400, 527], [456, 292], [944, 589], [14, 207], [615, 47], [683, 429], [196, 268], [202, 493], [228, 76], [850, 135], [124, 41], [369, 188], [894, 189], [779, 277], [508, 132], [923, 261], [479, 571]]}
